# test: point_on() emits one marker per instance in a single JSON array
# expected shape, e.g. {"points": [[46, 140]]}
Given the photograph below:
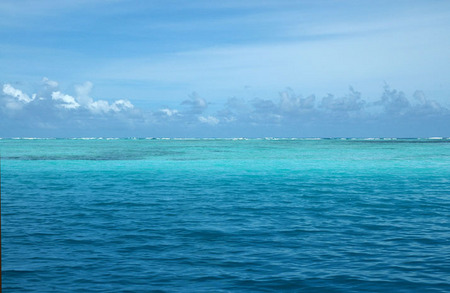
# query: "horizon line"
{"points": [[228, 138]]}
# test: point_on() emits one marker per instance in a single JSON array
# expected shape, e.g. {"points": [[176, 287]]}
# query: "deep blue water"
{"points": [[225, 215]]}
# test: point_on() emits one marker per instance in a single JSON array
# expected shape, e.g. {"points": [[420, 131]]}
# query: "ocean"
{"points": [[225, 215]]}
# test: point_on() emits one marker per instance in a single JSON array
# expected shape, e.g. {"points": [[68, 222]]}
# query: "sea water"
{"points": [[261, 215]]}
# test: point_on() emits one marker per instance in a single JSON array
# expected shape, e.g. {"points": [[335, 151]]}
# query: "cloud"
{"points": [[349, 103], [83, 91], [85, 101], [102, 106], [121, 105], [168, 112], [14, 99], [289, 114], [49, 83], [61, 113], [196, 104], [208, 120], [350, 115], [393, 102], [289, 103], [65, 101], [18, 94], [427, 106]]}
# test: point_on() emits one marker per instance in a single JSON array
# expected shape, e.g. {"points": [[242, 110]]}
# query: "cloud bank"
{"points": [[50, 112]]}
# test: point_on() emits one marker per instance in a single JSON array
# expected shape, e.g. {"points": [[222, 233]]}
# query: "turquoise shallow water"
{"points": [[225, 215]]}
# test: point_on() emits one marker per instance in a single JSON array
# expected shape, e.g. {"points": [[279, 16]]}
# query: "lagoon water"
{"points": [[141, 215]]}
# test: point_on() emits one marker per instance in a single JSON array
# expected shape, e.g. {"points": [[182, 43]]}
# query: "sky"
{"points": [[266, 68]]}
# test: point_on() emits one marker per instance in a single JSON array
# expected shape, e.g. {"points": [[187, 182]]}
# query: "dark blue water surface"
{"points": [[225, 215]]}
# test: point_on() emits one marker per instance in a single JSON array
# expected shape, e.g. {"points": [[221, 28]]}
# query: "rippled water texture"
{"points": [[225, 215]]}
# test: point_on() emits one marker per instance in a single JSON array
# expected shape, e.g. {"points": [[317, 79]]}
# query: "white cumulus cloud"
{"points": [[121, 105], [18, 94], [65, 101], [100, 106]]}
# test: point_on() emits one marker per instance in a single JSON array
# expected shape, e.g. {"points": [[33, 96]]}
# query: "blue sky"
{"points": [[225, 68]]}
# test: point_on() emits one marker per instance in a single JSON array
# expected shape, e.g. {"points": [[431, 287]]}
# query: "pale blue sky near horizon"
{"points": [[166, 56]]}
